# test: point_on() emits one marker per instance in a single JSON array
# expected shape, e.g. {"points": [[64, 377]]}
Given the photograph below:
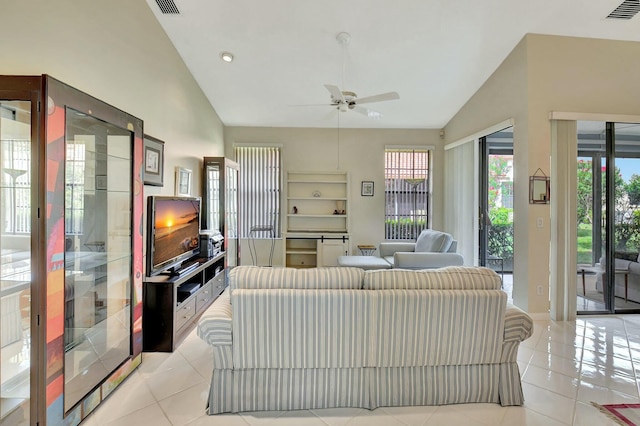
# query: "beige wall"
{"points": [[117, 52], [361, 153], [544, 74]]}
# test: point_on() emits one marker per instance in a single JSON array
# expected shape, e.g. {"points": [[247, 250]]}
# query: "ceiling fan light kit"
{"points": [[343, 38]]}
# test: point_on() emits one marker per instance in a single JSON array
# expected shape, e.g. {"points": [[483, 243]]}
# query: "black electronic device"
{"points": [[187, 289], [210, 243]]}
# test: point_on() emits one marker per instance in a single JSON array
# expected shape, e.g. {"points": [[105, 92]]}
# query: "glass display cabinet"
{"points": [[71, 238], [220, 203]]}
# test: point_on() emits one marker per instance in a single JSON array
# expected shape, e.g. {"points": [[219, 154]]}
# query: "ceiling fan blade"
{"points": [[309, 105], [335, 93], [389, 96], [331, 114], [374, 115]]}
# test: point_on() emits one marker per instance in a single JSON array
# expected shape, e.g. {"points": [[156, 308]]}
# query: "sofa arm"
{"points": [[214, 326], [518, 325], [388, 248], [634, 268], [409, 260]]}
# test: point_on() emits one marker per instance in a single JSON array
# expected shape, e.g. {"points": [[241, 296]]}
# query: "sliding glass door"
{"points": [[608, 216], [496, 204]]}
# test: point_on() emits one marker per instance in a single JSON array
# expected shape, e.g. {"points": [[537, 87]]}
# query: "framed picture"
{"points": [[183, 182], [367, 188], [153, 172]]}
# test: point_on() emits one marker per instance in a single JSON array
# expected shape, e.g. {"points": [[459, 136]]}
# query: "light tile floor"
{"points": [[564, 367]]}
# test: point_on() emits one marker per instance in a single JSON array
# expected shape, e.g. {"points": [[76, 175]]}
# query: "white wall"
{"points": [[361, 153]]}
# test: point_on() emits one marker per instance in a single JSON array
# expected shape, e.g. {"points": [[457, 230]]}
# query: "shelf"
{"points": [[319, 231], [317, 215], [301, 251], [315, 182], [318, 198]]}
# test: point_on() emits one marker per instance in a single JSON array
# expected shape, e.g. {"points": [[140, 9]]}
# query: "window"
{"points": [[16, 186], [406, 176], [74, 189], [506, 193], [259, 191]]}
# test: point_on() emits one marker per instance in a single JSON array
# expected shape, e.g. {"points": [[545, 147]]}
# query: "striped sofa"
{"points": [[286, 339]]}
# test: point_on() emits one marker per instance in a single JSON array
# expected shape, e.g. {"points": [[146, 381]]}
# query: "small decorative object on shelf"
{"points": [[295, 210], [316, 194]]}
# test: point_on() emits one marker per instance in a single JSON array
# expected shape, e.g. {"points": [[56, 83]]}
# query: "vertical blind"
{"points": [[406, 193], [15, 186], [74, 189], [259, 191]]}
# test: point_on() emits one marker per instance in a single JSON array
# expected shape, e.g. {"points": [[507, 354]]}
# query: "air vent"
{"points": [[169, 7], [626, 10]]}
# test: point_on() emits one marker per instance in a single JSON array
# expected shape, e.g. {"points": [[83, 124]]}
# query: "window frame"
{"points": [[248, 225], [407, 188]]}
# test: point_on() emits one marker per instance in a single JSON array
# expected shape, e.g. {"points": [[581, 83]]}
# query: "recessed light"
{"points": [[226, 56]]}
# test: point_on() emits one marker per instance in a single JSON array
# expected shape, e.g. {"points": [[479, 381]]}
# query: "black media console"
{"points": [[172, 304]]}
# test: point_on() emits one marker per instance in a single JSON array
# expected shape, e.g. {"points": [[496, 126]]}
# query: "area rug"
{"points": [[624, 414]]}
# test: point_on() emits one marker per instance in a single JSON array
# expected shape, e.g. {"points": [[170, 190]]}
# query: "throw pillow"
{"points": [[433, 241]]}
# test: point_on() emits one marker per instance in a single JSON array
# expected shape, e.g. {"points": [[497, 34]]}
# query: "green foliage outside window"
{"points": [[499, 168], [626, 214], [500, 233], [405, 228]]}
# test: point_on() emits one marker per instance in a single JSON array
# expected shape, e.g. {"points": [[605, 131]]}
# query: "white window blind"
{"points": [[74, 188], [15, 186], [406, 193], [259, 191]]}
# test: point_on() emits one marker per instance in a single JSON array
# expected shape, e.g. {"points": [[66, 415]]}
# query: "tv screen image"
{"points": [[174, 231]]}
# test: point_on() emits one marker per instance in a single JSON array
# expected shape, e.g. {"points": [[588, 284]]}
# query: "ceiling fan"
{"points": [[345, 100]]}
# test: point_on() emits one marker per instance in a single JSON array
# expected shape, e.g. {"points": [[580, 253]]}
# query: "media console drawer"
{"points": [[218, 283], [204, 297], [185, 312]]}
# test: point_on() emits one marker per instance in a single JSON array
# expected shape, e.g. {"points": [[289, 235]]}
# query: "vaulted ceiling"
{"points": [[434, 53]]}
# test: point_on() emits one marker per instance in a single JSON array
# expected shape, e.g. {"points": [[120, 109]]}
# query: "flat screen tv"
{"points": [[173, 232]]}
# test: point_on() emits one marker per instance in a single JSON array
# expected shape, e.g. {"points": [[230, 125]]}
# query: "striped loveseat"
{"points": [[286, 339]]}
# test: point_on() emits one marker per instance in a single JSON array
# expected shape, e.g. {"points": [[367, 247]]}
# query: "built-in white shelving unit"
{"points": [[317, 219]]}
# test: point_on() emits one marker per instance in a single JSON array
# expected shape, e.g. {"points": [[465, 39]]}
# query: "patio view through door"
{"points": [[496, 205], [608, 180]]}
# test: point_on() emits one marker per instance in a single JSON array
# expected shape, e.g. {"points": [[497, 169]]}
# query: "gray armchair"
{"points": [[432, 249]]}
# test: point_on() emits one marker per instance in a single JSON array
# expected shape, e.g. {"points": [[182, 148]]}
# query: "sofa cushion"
{"points": [[449, 278], [433, 241], [294, 328], [414, 328], [263, 277]]}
